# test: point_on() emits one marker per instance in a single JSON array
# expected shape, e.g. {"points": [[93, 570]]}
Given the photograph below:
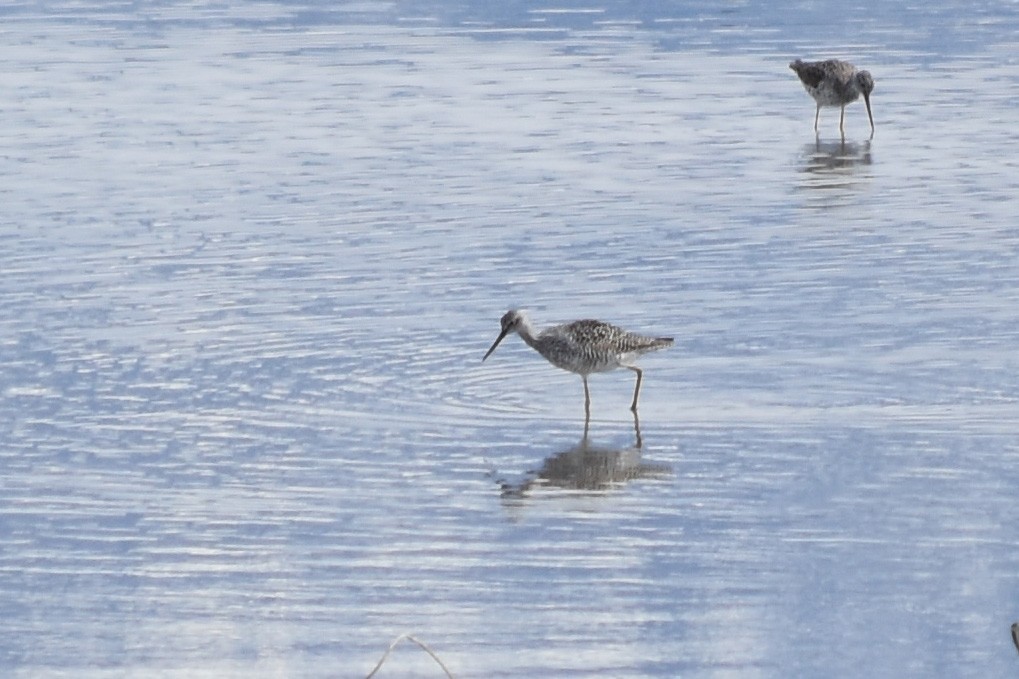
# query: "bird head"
{"points": [[865, 82], [511, 321]]}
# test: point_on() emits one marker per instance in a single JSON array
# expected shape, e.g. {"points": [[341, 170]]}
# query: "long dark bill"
{"points": [[866, 100], [505, 331]]}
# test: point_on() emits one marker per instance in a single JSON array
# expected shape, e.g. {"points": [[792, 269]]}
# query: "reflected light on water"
{"points": [[253, 257]]}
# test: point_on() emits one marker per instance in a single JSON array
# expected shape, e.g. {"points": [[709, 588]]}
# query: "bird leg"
{"points": [[842, 121], [636, 390], [817, 114], [587, 399]]}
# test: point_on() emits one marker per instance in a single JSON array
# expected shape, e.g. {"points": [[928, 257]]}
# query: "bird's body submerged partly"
{"points": [[583, 347], [835, 83]]}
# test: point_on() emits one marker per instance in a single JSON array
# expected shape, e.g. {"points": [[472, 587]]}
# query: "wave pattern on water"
{"points": [[253, 256]]}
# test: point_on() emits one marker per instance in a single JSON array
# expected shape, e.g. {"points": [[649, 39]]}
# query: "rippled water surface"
{"points": [[253, 254]]}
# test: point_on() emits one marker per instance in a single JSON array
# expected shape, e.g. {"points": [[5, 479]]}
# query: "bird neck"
{"points": [[526, 332]]}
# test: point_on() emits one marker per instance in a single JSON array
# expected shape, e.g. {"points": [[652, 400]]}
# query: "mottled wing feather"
{"points": [[589, 346], [631, 343], [613, 339], [810, 73]]}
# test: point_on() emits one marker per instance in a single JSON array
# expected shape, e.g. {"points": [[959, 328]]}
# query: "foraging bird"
{"points": [[835, 83], [583, 347]]}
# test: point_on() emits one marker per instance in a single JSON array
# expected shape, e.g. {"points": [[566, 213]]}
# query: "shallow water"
{"points": [[253, 255]]}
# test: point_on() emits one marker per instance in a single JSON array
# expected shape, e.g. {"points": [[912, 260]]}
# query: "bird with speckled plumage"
{"points": [[835, 83], [583, 347]]}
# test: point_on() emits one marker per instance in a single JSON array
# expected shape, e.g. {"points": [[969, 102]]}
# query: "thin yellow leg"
{"points": [[587, 398], [636, 390]]}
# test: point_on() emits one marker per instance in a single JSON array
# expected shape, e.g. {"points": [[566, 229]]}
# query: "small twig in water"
{"points": [[424, 647]]}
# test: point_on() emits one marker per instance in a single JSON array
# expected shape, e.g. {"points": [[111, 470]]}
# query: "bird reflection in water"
{"points": [[587, 466], [826, 157]]}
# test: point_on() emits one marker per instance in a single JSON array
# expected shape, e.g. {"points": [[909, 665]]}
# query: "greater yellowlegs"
{"points": [[583, 347], [835, 83]]}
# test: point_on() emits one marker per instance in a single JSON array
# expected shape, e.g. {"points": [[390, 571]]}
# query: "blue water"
{"points": [[254, 253]]}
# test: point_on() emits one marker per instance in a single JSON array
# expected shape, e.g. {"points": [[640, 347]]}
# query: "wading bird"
{"points": [[835, 83], [583, 347]]}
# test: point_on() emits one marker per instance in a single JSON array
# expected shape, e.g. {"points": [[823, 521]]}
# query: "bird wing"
{"points": [[811, 74], [601, 338]]}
